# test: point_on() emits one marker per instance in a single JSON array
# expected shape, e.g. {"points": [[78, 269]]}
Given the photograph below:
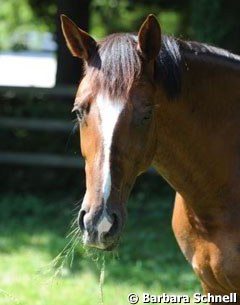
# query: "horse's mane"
{"points": [[168, 68], [117, 63], [199, 48]]}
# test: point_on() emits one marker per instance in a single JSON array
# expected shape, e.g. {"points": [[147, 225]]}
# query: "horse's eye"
{"points": [[81, 111], [147, 116], [80, 114]]}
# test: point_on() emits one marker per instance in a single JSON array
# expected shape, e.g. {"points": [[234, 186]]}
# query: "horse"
{"points": [[147, 99]]}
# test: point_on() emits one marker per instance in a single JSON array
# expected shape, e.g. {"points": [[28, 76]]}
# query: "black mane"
{"points": [[168, 68], [199, 48]]}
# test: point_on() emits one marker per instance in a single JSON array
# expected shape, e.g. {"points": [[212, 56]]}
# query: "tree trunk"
{"points": [[69, 68]]}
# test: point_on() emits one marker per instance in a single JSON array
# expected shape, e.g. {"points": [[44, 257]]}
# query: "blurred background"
{"points": [[42, 178]]}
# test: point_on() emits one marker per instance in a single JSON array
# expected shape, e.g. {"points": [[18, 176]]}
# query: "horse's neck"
{"points": [[199, 134], [211, 85]]}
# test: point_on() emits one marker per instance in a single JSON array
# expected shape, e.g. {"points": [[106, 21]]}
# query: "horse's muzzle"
{"points": [[100, 229]]}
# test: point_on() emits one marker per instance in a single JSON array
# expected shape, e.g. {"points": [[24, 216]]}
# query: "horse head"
{"points": [[115, 105]]}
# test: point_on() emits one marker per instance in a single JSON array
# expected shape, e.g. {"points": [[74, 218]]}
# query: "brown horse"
{"points": [[149, 99]]}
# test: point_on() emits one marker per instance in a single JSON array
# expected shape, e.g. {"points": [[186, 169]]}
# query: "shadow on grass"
{"points": [[148, 253]]}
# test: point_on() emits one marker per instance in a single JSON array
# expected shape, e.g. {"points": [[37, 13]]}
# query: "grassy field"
{"points": [[33, 232]]}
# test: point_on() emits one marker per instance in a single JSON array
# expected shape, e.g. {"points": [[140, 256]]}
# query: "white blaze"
{"points": [[109, 112]]}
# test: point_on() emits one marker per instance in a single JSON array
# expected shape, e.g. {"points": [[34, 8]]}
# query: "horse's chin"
{"points": [[103, 247], [112, 246]]}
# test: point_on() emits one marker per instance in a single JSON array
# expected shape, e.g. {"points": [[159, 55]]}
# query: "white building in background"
{"points": [[29, 68]]}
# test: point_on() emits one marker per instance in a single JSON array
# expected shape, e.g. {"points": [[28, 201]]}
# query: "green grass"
{"points": [[32, 234]]}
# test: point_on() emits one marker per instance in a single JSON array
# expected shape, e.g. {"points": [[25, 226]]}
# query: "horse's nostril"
{"points": [[81, 220], [115, 224], [114, 228]]}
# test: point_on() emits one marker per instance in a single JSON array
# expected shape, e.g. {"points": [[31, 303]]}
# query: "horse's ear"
{"points": [[149, 38], [80, 43]]}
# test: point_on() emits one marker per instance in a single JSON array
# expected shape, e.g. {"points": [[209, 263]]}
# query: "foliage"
{"points": [[211, 21], [203, 11], [111, 16], [45, 11], [216, 22], [17, 18]]}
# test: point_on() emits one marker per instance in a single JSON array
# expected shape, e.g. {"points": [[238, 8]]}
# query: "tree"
{"points": [[69, 69], [213, 21], [216, 22]]}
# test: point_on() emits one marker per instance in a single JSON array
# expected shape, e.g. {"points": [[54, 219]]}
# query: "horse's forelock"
{"points": [[116, 65]]}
